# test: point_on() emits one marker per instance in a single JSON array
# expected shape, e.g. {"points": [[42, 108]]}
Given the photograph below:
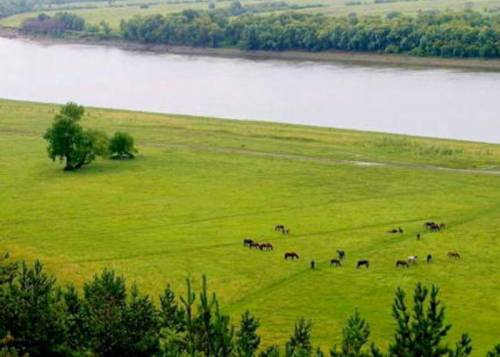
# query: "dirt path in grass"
{"points": [[326, 161]]}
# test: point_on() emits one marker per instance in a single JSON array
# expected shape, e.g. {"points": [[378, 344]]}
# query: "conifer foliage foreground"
{"points": [[41, 318]]}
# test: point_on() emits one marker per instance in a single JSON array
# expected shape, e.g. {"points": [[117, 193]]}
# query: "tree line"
{"points": [[108, 318], [449, 34], [466, 34]]}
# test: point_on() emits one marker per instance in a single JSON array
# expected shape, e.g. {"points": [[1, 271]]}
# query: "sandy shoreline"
{"points": [[326, 56]]}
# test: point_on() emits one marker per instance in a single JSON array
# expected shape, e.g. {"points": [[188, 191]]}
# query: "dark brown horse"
{"points": [[247, 242], [453, 255], [363, 262], [291, 255], [266, 246], [281, 228], [336, 262], [429, 258], [254, 245], [402, 263], [341, 254]]}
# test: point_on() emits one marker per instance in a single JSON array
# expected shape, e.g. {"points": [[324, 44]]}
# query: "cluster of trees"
{"points": [[75, 146], [450, 34], [11, 7], [54, 25], [40, 318]]}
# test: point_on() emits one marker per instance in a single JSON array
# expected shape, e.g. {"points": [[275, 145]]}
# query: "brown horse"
{"points": [[363, 262], [281, 228], [291, 255], [453, 255], [254, 245], [336, 262], [402, 263], [266, 246]]}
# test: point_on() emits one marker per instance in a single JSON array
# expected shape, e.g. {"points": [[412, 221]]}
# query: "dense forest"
{"points": [[450, 34], [41, 318]]}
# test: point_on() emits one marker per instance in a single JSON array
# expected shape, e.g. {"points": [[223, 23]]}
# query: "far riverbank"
{"points": [[359, 58]]}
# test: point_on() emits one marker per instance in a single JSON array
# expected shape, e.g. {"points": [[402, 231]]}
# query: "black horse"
{"points": [[429, 258], [363, 262], [336, 262], [313, 264], [402, 263], [341, 254], [247, 242]]}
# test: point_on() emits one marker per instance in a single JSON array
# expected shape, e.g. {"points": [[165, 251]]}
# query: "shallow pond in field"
{"points": [[429, 102]]}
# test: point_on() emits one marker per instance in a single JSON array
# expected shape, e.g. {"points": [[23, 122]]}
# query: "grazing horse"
{"points": [[429, 224], [434, 227], [454, 255], [392, 231], [400, 230], [266, 246], [335, 262], [412, 259], [402, 263], [254, 245], [429, 258], [281, 228], [247, 242], [313, 264], [341, 254], [363, 262], [291, 255], [418, 236]]}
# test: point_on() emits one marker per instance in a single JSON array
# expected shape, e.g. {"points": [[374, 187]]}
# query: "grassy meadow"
{"points": [[95, 12], [200, 186]]}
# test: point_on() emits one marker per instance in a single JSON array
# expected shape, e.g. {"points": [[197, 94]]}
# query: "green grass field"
{"points": [[199, 186], [95, 12]]}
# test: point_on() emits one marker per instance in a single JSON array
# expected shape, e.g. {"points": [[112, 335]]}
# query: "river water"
{"points": [[428, 102]]}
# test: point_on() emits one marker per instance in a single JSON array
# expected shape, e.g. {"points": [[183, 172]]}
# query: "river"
{"points": [[428, 102]]}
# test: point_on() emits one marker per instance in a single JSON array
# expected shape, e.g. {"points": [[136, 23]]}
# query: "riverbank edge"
{"points": [[359, 58]]}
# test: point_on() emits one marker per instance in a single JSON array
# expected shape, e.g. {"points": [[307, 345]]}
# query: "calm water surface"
{"points": [[440, 103]]}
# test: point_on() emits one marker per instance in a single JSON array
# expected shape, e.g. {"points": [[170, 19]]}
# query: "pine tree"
{"points": [[170, 312], [355, 335], [247, 339], [422, 333], [300, 342], [495, 352]]}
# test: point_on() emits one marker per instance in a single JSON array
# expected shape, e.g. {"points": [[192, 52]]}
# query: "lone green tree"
{"points": [[70, 143], [121, 146]]}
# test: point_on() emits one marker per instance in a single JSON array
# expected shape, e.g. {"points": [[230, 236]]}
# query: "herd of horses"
{"points": [[337, 262]]}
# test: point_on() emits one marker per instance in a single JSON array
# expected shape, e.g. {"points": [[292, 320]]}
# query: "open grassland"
{"points": [[199, 186], [95, 12]]}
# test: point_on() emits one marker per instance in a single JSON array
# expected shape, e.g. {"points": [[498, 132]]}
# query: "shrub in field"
{"points": [[121, 146]]}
